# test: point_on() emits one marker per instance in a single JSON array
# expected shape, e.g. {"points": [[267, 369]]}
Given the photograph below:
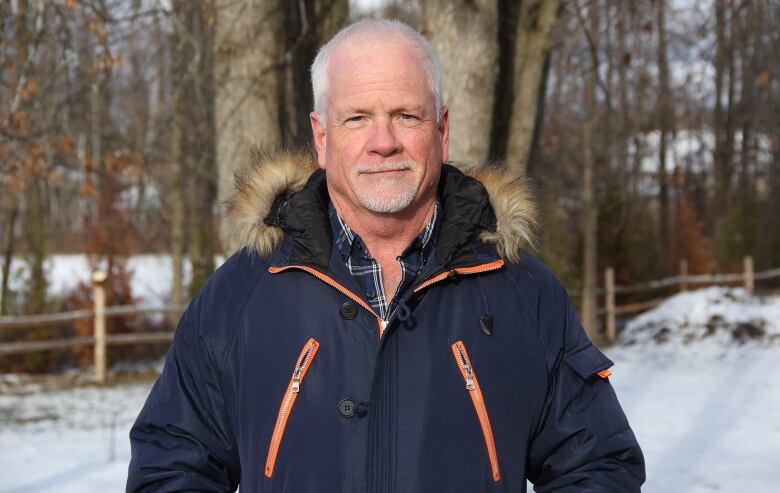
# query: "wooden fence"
{"points": [[100, 339], [747, 278]]}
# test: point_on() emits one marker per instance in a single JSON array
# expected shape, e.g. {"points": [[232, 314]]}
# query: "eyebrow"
{"points": [[401, 108]]}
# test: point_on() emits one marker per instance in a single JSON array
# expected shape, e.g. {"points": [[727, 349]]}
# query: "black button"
{"points": [[348, 310], [371, 295], [347, 408]]}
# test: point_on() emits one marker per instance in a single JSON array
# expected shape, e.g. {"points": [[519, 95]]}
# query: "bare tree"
{"points": [[589, 200], [665, 125], [531, 63], [465, 35], [248, 67]]}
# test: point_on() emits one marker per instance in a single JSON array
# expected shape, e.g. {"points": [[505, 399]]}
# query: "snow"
{"points": [[703, 404], [151, 279], [73, 440]]}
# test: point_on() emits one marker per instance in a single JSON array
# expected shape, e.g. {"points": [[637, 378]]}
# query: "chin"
{"points": [[384, 201]]}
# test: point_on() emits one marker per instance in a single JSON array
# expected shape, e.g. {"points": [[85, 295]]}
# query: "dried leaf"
{"points": [[66, 144], [763, 78], [30, 88]]}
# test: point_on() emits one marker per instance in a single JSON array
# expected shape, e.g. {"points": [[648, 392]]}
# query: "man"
{"points": [[380, 328]]}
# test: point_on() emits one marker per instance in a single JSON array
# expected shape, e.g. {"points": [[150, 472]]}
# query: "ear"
{"points": [[444, 132], [320, 139]]}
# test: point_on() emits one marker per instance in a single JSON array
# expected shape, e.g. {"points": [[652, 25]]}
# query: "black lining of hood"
{"points": [[304, 217], [466, 211]]}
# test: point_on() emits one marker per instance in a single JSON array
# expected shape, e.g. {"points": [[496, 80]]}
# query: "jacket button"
{"points": [[348, 310], [347, 408]]}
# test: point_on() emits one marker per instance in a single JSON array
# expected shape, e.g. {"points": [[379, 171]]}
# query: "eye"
{"points": [[408, 117], [354, 121]]}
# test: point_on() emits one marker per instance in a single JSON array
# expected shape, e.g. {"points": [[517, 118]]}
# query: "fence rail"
{"points": [[100, 339], [747, 277]]}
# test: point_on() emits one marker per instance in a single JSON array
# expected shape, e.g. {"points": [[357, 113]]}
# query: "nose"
{"points": [[383, 141]]}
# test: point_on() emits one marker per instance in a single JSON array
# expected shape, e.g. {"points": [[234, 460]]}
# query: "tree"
{"points": [[249, 47], [465, 35], [589, 200], [665, 125], [531, 65]]}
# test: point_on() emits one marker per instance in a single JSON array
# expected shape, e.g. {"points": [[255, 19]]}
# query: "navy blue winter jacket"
{"points": [[281, 378]]}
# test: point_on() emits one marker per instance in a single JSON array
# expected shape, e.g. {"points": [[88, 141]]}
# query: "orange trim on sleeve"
{"points": [[604, 373]]}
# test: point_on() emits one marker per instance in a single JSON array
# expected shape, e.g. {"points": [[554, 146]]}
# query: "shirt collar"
{"points": [[347, 241]]}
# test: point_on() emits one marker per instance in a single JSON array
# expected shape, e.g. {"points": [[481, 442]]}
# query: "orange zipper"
{"points": [[331, 282], [293, 388], [472, 386], [475, 269]]}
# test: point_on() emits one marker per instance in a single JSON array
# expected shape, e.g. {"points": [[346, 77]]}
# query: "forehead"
{"points": [[364, 69]]}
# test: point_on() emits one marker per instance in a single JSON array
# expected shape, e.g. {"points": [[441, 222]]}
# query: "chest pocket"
{"points": [[594, 397], [308, 352]]}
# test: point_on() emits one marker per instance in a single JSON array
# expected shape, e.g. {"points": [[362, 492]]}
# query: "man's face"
{"points": [[381, 145]]}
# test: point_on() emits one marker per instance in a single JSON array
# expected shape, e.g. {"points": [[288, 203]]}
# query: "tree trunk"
{"points": [[179, 57], [465, 35], [309, 24], [8, 253], [724, 131], [537, 18], [590, 204], [200, 153], [36, 239], [248, 65], [665, 122]]}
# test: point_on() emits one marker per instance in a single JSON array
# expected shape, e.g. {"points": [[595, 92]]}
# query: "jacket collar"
{"points": [[486, 212]]}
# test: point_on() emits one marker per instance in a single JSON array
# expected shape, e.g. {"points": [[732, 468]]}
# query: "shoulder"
{"points": [[210, 317], [548, 302], [536, 282]]}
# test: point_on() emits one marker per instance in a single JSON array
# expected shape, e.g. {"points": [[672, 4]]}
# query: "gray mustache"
{"points": [[373, 168]]}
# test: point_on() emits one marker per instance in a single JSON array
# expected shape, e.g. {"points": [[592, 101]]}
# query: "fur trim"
{"points": [[267, 176], [270, 175], [516, 216]]}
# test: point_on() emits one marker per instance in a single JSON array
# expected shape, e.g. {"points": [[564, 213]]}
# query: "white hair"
{"points": [[376, 28]]}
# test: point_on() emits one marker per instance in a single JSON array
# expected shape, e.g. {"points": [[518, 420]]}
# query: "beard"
{"points": [[387, 195]]}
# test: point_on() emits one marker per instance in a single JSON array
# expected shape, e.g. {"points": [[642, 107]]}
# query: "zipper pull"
{"points": [[469, 377], [296, 380], [466, 369]]}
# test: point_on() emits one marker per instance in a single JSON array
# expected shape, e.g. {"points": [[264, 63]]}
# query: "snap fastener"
{"points": [[347, 408], [348, 310]]}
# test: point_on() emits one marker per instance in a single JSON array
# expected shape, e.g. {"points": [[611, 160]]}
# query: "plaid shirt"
{"points": [[368, 272]]}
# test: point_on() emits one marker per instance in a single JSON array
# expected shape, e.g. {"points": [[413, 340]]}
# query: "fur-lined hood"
{"points": [[272, 177]]}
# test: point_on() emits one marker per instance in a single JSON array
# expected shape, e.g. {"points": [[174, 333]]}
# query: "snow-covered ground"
{"points": [[699, 378]]}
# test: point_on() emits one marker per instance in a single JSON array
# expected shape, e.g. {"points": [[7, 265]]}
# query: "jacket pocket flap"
{"points": [[588, 362]]}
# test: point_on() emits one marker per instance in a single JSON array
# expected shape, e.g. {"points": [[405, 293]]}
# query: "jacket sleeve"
{"points": [[181, 440], [583, 442]]}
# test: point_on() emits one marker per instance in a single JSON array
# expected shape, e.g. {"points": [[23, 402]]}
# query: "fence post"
{"points": [[747, 262], [609, 298], [98, 285], [684, 274]]}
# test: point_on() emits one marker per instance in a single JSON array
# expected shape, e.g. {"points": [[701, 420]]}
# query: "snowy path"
{"points": [[69, 440], [708, 421]]}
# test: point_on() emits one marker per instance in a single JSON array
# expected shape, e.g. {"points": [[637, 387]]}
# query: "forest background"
{"points": [[649, 128]]}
